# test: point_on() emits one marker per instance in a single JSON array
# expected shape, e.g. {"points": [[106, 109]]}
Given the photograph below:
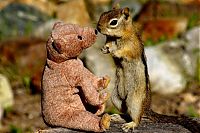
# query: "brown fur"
{"points": [[132, 94], [68, 88]]}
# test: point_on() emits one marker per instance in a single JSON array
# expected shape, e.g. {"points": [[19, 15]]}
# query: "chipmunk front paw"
{"points": [[102, 83], [106, 80], [105, 49]]}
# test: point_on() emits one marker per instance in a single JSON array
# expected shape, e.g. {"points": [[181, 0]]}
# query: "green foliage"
{"points": [[28, 28], [112, 110], [7, 110], [192, 112], [15, 129], [162, 38], [26, 81], [11, 71], [193, 20], [149, 42]]}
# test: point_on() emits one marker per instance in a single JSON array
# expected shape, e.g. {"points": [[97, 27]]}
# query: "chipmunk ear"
{"points": [[126, 12]]}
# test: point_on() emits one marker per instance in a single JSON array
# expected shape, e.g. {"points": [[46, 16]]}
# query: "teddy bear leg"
{"points": [[83, 120], [101, 109]]}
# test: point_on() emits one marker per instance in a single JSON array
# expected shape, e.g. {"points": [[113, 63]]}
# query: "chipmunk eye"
{"points": [[113, 22]]}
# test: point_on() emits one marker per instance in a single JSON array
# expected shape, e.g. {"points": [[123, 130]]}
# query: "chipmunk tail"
{"points": [[186, 122]]}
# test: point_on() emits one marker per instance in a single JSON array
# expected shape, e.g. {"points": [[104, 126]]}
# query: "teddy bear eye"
{"points": [[80, 37]]}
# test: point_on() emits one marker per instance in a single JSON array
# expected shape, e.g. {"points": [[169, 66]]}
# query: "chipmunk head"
{"points": [[68, 41], [115, 22]]}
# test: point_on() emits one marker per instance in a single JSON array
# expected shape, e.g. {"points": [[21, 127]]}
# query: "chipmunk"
{"points": [[132, 94]]}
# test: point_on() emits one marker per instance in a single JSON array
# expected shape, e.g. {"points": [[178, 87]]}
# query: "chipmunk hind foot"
{"points": [[130, 125]]}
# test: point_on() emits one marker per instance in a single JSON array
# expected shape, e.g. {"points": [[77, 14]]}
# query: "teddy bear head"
{"points": [[67, 41]]}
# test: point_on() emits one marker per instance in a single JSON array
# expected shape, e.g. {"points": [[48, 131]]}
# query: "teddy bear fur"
{"points": [[67, 86]]}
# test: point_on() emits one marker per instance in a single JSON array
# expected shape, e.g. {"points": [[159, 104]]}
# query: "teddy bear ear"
{"points": [[55, 46], [126, 12], [57, 24]]}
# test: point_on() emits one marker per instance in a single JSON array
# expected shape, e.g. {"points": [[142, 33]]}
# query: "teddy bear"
{"points": [[69, 89]]}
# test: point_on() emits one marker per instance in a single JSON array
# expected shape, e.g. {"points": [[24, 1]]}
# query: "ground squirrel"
{"points": [[132, 94], [68, 88]]}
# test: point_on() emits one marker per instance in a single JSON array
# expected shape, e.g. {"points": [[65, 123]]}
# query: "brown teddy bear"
{"points": [[68, 88]]}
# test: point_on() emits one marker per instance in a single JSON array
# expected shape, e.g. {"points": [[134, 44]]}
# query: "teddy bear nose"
{"points": [[96, 32]]}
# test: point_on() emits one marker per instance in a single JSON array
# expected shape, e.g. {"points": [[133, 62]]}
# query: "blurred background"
{"points": [[170, 30]]}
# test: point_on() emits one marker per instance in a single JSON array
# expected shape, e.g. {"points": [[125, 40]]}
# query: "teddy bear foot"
{"points": [[105, 121]]}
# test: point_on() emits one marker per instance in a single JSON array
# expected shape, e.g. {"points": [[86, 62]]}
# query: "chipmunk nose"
{"points": [[95, 31]]}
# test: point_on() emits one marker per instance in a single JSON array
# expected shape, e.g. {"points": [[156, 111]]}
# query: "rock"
{"points": [[44, 30], [6, 94], [163, 9], [184, 1], [172, 28], [4, 3], [146, 126], [1, 116], [172, 64], [19, 20], [189, 98], [75, 8], [97, 2], [192, 47], [155, 14], [165, 76], [44, 6]]}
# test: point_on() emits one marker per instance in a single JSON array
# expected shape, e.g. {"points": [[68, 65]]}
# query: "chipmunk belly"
{"points": [[134, 77], [120, 83]]}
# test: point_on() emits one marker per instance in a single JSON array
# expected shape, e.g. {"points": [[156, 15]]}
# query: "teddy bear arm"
{"points": [[97, 82], [90, 93]]}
